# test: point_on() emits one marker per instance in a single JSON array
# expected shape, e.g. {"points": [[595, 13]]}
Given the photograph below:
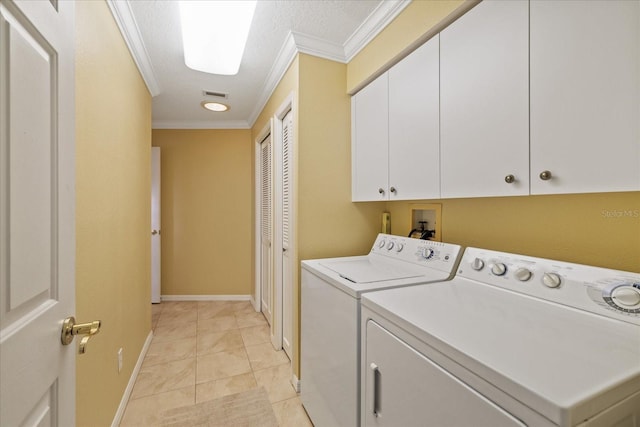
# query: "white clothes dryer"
{"points": [[330, 317], [512, 340]]}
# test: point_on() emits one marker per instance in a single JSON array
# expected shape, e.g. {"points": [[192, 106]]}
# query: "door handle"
{"points": [[376, 390], [70, 329], [154, 232]]}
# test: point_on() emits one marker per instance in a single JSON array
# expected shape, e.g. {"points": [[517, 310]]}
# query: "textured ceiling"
{"points": [[177, 104]]}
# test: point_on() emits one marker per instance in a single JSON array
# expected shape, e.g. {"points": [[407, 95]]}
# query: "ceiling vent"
{"points": [[216, 94]]}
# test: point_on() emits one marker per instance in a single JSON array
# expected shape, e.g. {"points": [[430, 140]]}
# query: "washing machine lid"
{"points": [[368, 270], [566, 364]]}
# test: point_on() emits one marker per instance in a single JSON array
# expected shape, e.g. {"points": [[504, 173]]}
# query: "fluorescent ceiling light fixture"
{"points": [[214, 34], [215, 106]]}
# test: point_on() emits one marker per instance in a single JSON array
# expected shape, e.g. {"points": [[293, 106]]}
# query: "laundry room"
{"points": [[537, 178], [326, 222]]}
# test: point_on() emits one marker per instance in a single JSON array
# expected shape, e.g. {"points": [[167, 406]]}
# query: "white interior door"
{"points": [[287, 254], [155, 225], [266, 209], [37, 202]]}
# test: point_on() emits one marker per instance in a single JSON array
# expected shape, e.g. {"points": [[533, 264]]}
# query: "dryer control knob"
{"points": [[499, 269], [390, 246], [551, 280], [382, 243], [523, 274], [427, 253], [626, 297], [399, 247], [477, 264]]}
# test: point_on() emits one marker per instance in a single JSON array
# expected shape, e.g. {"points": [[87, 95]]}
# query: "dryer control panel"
{"points": [[603, 291]]}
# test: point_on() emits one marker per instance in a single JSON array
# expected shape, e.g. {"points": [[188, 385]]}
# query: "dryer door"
{"points": [[404, 388]]}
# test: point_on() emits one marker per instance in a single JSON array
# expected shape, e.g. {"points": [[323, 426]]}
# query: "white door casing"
{"points": [[266, 228], [155, 226], [285, 257], [288, 265], [37, 204]]}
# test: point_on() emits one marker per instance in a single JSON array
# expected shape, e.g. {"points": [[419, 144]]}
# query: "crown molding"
{"points": [[318, 47], [177, 124], [285, 57], [301, 43], [376, 22], [121, 11], [294, 44]]}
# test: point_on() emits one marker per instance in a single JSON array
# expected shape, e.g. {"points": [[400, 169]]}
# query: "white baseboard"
{"points": [[132, 380], [295, 382], [254, 303], [205, 297]]}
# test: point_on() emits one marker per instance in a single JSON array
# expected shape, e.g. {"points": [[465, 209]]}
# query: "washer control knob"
{"points": [[382, 243], [499, 269], [626, 297], [399, 247], [427, 253], [551, 280], [523, 274], [390, 246], [477, 264]]}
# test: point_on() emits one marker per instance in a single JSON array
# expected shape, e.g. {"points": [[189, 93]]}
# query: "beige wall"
{"points": [[322, 167], [206, 196], [600, 229], [329, 224], [113, 140]]}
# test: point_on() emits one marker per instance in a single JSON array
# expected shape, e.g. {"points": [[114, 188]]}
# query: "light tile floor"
{"points": [[205, 350]]}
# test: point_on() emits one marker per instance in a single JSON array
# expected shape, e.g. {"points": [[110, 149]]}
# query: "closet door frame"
{"points": [[278, 303], [264, 133]]}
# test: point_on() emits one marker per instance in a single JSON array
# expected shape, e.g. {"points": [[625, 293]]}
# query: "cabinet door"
{"points": [[484, 75], [404, 388], [585, 96], [370, 141], [414, 125]]}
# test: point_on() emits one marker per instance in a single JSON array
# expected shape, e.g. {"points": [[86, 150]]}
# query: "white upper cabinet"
{"points": [[370, 141], [585, 96], [414, 128], [395, 125], [484, 101], [539, 97]]}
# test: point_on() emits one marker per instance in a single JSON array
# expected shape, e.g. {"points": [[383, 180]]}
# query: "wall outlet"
{"points": [[120, 360]]}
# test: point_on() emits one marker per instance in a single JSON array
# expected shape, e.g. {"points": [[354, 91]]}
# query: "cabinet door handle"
{"points": [[376, 390], [393, 189], [545, 175], [509, 179], [380, 190]]}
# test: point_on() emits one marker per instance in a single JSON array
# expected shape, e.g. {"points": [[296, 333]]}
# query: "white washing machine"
{"points": [[510, 341], [330, 317]]}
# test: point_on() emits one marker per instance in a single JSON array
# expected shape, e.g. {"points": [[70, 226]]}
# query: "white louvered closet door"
{"points": [[287, 254], [266, 208]]}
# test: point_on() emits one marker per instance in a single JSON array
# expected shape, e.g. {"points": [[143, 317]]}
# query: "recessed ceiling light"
{"points": [[215, 106], [214, 34]]}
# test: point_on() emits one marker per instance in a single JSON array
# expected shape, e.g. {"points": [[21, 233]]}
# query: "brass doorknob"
{"points": [[70, 329], [154, 232]]}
